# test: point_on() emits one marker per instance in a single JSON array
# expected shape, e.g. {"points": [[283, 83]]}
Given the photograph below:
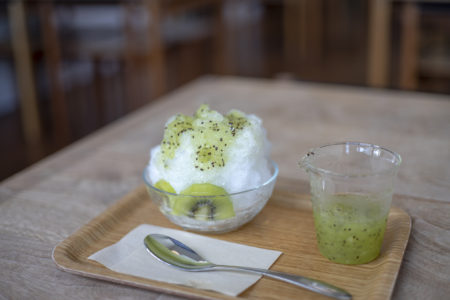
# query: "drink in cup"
{"points": [[351, 193]]}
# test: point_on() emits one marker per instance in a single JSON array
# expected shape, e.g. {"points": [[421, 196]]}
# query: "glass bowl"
{"points": [[213, 214]]}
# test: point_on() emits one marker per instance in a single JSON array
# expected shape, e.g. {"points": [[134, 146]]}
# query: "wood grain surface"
{"points": [[46, 203], [285, 224]]}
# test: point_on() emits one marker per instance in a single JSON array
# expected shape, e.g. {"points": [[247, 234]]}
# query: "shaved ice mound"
{"points": [[243, 162], [215, 158]]}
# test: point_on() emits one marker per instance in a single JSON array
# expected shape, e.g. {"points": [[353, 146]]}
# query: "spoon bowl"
{"points": [[176, 254]]}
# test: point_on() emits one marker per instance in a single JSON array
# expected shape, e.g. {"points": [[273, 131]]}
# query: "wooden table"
{"points": [[44, 204]]}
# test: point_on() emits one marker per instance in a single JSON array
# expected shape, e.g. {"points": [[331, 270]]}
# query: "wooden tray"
{"points": [[285, 224]]}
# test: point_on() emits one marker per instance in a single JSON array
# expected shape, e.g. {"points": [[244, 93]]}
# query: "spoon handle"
{"points": [[304, 282]]}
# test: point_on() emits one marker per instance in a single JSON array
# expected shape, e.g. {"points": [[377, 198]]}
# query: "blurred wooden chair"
{"points": [[156, 57], [425, 45], [53, 61], [28, 99], [222, 60], [304, 34], [379, 43], [152, 57], [410, 63], [29, 110], [409, 46]]}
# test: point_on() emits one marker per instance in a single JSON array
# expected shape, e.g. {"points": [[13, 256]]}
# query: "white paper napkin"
{"points": [[130, 256]]}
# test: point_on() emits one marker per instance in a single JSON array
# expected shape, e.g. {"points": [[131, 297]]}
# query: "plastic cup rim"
{"points": [[304, 163]]}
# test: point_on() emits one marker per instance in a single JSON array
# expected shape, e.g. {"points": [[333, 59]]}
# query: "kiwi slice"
{"points": [[173, 131], [204, 208], [167, 187]]}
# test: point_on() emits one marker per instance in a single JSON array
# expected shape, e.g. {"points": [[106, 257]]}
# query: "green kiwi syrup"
{"points": [[350, 227]]}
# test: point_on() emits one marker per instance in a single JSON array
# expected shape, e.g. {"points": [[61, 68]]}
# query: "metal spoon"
{"points": [[177, 254]]}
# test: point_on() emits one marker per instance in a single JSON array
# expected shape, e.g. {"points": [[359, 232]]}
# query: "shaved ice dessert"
{"points": [[211, 172]]}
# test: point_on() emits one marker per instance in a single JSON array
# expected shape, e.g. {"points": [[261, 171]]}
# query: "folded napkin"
{"points": [[130, 256]]}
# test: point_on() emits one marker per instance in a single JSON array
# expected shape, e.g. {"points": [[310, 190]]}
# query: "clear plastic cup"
{"points": [[351, 193]]}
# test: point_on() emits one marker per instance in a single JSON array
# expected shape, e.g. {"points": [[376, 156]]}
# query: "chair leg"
{"points": [[52, 51], [379, 42], [409, 44], [156, 59], [224, 60], [22, 58]]}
